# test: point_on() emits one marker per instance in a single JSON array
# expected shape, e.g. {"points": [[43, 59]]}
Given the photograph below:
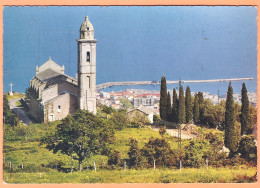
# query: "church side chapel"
{"points": [[53, 95]]}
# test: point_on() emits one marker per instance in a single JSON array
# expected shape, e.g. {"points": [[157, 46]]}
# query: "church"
{"points": [[53, 95]]}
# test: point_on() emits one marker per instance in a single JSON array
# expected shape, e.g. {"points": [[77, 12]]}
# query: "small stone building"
{"points": [[52, 94], [141, 111]]}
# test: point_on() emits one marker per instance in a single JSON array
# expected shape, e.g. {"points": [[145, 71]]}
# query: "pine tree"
{"points": [[181, 112], [188, 105], [196, 113], [232, 128], [244, 116], [174, 106], [163, 99], [169, 107]]}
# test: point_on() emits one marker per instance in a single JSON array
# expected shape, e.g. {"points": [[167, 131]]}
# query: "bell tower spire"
{"points": [[87, 67]]}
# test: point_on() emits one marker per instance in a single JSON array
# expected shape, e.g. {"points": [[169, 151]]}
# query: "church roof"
{"points": [[46, 74], [86, 25], [144, 110], [50, 64]]}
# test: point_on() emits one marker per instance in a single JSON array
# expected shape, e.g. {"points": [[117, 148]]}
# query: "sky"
{"points": [[135, 43]]}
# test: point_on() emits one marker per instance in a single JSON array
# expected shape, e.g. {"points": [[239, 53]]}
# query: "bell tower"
{"points": [[87, 67]]}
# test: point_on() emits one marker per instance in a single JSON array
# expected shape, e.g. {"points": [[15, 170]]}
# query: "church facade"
{"points": [[53, 95]]}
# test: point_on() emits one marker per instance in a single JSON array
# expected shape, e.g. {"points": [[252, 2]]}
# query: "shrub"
{"points": [[136, 159], [25, 131], [56, 164], [162, 130], [114, 158], [196, 152], [160, 151], [247, 148]]}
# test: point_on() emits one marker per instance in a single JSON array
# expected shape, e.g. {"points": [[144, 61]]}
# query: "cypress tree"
{"points": [[174, 106], [181, 111], [232, 130], [163, 99], [188, 105], [169, 107], [196, 112], [201, 107], [244, 116]]}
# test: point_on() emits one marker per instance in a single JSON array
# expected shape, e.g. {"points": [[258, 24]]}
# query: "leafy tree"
{"points": [[188, 105], [219, 115], [9, 117], [82, 134], [140, 119], [163, 99], [252, 120], [174, 106], [247, 148], [120, 119], [160, 151], [27, 92], [107, 109], [136, 159], [181, 111], [208, 115], [126, 103], [162, 131], [156, 118], [6, 106], [114, 158], [231, 126], [169, 107], [244, 116], [196, 113]]}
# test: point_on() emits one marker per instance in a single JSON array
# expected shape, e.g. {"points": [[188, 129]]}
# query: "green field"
{"points": [[32, 163], [187, 175]]}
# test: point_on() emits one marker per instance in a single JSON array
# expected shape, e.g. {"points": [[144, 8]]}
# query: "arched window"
{"points": [[88, 57]]}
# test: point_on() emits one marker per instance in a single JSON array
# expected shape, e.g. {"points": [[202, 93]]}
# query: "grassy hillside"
{"points": [[21, 148]]}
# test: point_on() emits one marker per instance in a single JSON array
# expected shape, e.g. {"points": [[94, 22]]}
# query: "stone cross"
{"points": [[11, 86]]}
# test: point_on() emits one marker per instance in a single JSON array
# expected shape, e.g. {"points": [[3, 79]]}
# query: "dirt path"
{"points": [[19, 112], [174, 133]]}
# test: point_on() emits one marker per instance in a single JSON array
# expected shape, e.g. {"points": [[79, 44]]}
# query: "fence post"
{"points": [[180, 165], [22, 166], [103, 164], [87, 164], [95, 166], [40, 175], [207, 163], [71, 164], [124, 165], [154, 164]]}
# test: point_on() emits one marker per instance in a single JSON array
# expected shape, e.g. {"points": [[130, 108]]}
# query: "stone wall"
{"points": [[59, 107], [55, 90], [35, 109]]}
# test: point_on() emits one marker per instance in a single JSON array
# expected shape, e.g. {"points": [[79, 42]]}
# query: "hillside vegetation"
{"points": [[25, 161]]}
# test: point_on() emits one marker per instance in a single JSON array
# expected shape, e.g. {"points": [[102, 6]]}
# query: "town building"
{"points": [[142, 112]]}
